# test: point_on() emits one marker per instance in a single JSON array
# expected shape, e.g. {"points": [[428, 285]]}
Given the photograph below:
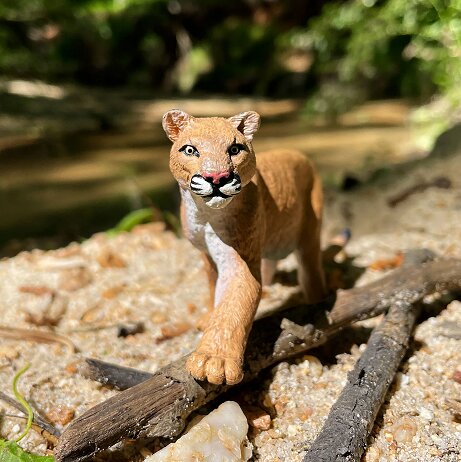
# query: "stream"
{"points": [[63, 188]]}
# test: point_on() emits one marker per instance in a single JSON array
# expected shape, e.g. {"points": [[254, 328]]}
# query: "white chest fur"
{"points": [[195, 221], [199, 230], [202, 235]]}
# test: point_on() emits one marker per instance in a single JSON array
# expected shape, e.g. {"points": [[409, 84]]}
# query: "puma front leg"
{"points": [[212, 275], [219, 355]]}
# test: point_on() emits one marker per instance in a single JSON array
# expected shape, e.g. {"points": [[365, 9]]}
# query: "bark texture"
{"points": [[344, 435]]}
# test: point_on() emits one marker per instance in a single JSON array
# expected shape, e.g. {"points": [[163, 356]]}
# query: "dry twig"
{"points": [[33, 335]]}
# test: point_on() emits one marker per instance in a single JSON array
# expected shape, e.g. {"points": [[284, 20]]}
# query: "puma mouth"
{"points": [[217, 200], [216, 195]]}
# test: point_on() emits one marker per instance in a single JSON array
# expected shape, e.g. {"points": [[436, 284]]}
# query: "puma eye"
{"points": [[235, 149], [189, 150]]}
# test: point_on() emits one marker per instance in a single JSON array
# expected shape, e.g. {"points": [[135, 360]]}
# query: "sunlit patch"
{"points": [[34, 89]]}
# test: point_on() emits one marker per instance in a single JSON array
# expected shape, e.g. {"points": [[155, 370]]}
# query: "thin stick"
{"points": [[43, 424], [343, 437], [160, 405], [35, 335]]}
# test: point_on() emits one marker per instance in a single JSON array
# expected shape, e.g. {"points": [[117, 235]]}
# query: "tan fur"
{"points": [[277, 211]]}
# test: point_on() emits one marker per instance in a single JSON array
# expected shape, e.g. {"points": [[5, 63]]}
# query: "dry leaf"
{"points": [[74, 278], [387, 263], [112, 292], [36, 290], [172, 330], [61, 415], [110, 260], [72, 368]]}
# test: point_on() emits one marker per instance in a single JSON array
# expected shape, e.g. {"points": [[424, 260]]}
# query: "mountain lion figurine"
{"points": [[244, 214]]}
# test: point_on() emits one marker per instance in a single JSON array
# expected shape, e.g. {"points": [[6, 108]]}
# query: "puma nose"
{"points": [[215, 177]]}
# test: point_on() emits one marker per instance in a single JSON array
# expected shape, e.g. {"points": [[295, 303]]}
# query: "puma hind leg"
{"points": [[310, 271], [268, 269], [311, 277]]}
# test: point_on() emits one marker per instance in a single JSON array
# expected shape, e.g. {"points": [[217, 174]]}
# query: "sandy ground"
{"points": [[89, 290]]}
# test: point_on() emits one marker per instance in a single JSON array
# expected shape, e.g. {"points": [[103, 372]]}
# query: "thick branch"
{"points": [[344, 435], [160, 405]]}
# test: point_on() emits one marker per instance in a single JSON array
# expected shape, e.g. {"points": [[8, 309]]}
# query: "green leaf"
{"points": [[130, 221], [10, 451]]}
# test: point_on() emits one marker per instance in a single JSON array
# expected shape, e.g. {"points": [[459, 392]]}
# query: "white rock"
{"points": [[219, 436]]}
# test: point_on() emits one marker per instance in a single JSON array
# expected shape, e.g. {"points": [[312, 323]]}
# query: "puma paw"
{"points": [[215, 369]]}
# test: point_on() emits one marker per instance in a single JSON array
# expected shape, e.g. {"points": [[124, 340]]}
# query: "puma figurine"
{"points": [[243, 213]]}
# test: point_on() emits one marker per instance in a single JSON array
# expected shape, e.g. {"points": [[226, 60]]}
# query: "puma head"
{"points": [[212, 157]]}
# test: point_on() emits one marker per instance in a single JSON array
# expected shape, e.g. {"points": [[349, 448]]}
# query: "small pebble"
{"points": [[457, 376], [404, 429], [257, 417], [315, 366], [426, 413], [132, 328]]}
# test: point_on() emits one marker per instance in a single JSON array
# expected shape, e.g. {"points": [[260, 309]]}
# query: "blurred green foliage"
{"points": [[338, 52], [243, 52], [91, 41], [394, 48], [165, 44]]}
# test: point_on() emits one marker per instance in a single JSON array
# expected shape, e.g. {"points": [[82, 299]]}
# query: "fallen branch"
{"points": [[343, 437], [440, 182], [159, 406]]}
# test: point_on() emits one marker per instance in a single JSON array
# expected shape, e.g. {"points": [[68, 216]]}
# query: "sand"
{"points": [[87, 292]]}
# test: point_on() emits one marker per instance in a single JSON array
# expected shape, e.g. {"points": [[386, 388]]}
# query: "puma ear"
{"points": [[174, 122], [246, 123]]}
